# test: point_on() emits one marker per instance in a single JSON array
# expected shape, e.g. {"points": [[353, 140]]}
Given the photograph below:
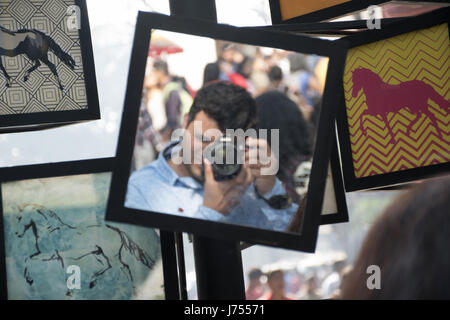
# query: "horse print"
{"points": [[48, 232], [35, 45], [382, 98], [397, 99]]}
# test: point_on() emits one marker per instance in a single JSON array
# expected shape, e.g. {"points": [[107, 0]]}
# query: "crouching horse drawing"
{"points": [[49, 233]]}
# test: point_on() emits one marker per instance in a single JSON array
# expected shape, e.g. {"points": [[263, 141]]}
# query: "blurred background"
{"points": [[305, 276]]}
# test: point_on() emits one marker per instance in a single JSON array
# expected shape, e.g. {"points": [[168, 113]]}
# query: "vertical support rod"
{"points": [[218, 267], [181, 265]]}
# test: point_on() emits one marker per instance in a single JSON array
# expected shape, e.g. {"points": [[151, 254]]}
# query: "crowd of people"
{"points": [[317, 282]]}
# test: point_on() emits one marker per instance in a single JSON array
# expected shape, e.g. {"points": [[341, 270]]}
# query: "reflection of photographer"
{"points": [[238, 194]]}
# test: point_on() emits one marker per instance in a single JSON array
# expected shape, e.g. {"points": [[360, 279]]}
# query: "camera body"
{"points": [[226, 156]]}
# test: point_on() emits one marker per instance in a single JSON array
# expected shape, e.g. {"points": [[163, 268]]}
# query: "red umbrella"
{"points": [[160, 44]]}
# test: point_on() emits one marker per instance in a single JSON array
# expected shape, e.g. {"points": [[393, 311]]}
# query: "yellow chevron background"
{"points": [[420, 55]]}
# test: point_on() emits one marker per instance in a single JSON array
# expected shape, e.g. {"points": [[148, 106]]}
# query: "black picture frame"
{"points": [[351, 182], [72, 168], [331, 12], [48, 119], [339, 192], [331, 29], [116, 210]]}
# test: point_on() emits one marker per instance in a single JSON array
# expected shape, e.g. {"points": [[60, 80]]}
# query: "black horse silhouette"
{"points": [[47, 230], [35, 45]]}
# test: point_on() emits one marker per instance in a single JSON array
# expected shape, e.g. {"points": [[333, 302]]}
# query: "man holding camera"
{"points": [[185, 182]]}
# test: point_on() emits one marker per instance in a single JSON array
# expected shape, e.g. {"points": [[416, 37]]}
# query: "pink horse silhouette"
{"points": [[382, 98]]}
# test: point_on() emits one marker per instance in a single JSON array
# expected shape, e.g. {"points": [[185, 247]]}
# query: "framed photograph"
{"points": [[56, 244], [300, 11], [47, 73], [334, 208], [394, 122], [190, 83]]}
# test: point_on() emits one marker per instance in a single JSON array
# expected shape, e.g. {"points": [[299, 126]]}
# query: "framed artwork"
{"points": [[171, 202], [47, 73], [55, 243], [293, 11], [394, 120]]}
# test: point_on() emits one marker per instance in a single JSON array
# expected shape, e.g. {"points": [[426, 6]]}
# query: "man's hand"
{"points": [[260, 156], [223, 196]]}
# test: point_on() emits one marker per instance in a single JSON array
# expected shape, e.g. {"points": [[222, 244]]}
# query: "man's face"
{"points": [[202, 131]]}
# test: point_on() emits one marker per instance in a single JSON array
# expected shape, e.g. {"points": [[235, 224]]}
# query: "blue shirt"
{"points": [[156, 187]]}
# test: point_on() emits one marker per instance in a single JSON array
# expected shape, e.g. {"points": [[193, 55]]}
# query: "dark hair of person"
{"points": [[211, 73], [409, 242], [230, 105], [161, 65], [275, 73], [277, 111], [255, 274]]}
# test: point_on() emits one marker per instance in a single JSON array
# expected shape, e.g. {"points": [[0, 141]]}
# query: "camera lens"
{"points": [[223, 168], [223, 157]]}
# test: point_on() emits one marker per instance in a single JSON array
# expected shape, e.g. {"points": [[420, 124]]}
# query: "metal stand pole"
{"points": [[199, 9], [181, 266], [218, 263], [218, 267]]}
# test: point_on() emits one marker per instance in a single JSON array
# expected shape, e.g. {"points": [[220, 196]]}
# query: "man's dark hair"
{"points": [[275, 73], [230, 105], [162, 66], [255, 274], [211, 73]]}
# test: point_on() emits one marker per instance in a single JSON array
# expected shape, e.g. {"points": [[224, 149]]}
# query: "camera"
{"points": [[226, 157]]}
